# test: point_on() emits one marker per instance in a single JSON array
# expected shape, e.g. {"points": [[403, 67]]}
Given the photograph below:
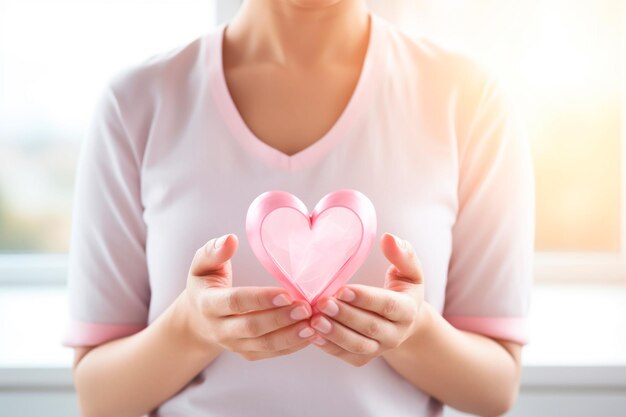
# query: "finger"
{"points": [[238, 300], [407, 266], [211, 260], [394, 306], [343, 336], [255, 355], [258, 323], [333, 349], [280, 339], [368, 324]]}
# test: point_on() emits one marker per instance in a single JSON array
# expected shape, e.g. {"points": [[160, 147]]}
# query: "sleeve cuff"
{"points": [[81, 333], [515, 329]]}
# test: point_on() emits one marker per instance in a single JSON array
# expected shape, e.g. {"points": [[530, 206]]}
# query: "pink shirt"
{"points": [[168, 163]]}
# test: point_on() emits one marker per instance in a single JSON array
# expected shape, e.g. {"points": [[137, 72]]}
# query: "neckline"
{"points": [[314, 152]]}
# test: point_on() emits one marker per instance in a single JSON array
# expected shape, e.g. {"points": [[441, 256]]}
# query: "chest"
{"points": [[188, 204], [290, 109], [198, 181]]}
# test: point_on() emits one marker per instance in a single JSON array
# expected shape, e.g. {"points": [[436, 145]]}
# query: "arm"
{"points": [[470, 372], [465, 370], [132, 375], [126, 372]]}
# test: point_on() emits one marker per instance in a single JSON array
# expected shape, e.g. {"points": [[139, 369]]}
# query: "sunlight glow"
{"points": [[564, 64]]}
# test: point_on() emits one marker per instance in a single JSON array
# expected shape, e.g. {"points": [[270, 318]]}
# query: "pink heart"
{"points": [[311, 255]]}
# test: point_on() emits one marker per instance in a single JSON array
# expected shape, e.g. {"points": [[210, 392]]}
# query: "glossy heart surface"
{"points": [[311, 255]]}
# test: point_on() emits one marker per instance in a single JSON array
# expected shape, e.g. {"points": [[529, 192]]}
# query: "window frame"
{"points": [[555, 266]]}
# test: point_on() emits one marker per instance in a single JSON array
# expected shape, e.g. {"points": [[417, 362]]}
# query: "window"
{"points": [[55, 57], [563, 61]]}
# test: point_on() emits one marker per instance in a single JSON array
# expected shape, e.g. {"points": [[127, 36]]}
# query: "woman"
{"points": [[307, 97]]}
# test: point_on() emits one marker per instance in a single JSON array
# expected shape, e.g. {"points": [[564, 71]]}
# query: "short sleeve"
{"points": [[490, 270], [108, 289]]}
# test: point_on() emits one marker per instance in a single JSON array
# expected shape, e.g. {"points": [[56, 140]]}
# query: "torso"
{"points": [[189, 169]]}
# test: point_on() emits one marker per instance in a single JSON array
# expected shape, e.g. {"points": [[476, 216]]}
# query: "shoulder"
{"points": [[438, 69], [456, 93], [158, 72], [153, 87], [143, 89]]}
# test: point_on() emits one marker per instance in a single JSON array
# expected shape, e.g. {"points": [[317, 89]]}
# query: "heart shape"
{"points": [[312, 255]]}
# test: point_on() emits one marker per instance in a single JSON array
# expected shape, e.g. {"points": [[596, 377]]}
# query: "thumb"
{"points": [[406, 268], [214, 257]]}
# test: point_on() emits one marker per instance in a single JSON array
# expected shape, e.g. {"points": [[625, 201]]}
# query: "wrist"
{"points": [[181, 324], [418, 335], [424, 322]]}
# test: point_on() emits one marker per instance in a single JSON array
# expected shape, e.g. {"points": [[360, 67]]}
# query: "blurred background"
{"points": [[564, 62]]}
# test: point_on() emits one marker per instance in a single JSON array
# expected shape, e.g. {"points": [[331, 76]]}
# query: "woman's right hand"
{"points": [[255, 322]]}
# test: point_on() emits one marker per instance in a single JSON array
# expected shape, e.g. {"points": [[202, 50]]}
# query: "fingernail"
{"points": [[220, 242], [346, 295], [281, 300], [306, 332], [299, 313], [322, 325], [330, 308], [319, 341], [399, 242]]}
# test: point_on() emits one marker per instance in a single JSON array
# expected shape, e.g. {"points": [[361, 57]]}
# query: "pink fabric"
{"points": [[510, 328], [93, 334], [429, 136]]}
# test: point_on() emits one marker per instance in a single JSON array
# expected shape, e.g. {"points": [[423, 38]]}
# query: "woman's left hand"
{"points": [[361, 322]]}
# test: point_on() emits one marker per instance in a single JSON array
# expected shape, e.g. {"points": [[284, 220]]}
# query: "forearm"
{"points": [[467, 371], [133, 375]]}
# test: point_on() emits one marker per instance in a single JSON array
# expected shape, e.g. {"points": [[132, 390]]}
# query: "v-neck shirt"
{"points": [[429, 136]]}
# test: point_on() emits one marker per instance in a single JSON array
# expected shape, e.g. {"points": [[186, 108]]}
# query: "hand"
{"points": [[361, 322], [255, 322]]}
